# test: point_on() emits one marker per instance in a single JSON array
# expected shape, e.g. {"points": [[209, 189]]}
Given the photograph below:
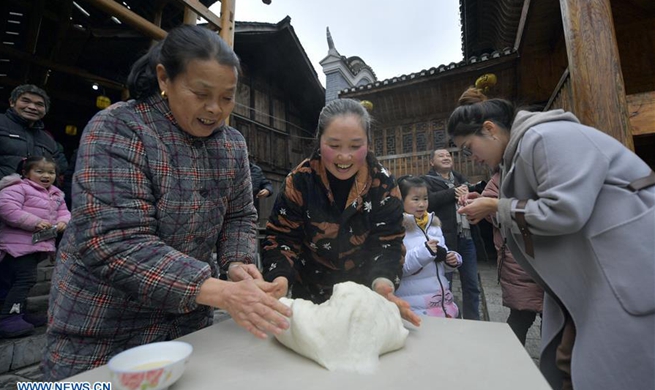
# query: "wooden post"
{"points": [[596, 79], [227, 21], [190, 17], [227, 28]]}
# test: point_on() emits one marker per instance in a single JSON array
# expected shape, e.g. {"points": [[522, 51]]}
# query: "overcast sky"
{"points": [[392, 37]]}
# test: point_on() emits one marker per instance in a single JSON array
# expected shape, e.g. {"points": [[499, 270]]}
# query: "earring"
{"points": [[163, 95]]}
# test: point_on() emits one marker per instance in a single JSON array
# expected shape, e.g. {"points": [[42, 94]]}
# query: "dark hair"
{"points": [[182, 45], [474, 109], [406, 183], [342, 107], [28, 164], [29, 88]]}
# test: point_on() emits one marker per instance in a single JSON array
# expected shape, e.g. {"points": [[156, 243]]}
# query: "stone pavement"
{"points": [[491, 309]]}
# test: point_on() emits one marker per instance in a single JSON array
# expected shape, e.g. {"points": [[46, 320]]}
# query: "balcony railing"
{"points": [[419, 164]]}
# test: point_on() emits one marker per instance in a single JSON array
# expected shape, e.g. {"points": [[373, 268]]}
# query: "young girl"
{"points": [[27, 205], [423, 284]]}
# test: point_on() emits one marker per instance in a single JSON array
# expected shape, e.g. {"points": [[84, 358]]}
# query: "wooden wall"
{"points": [[277, 136]]}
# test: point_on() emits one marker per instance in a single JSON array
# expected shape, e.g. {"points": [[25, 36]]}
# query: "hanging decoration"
{"points": [[103, 102], [485, 82]]}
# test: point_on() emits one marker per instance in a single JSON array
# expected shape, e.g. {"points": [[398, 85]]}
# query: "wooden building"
{"points": [[80, 50], [594, 58]]}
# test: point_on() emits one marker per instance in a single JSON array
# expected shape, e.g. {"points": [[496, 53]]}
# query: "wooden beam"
{"points": [[128, 17], [596, 79], [4, 49], [642, 113], [203, 11], [521, 28]]}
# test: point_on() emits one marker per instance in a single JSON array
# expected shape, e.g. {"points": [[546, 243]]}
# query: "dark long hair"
{"points": [[182, 44], [474, 109]]}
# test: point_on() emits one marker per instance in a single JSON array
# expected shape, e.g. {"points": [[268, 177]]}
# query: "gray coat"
{"points": [[594, 246]]}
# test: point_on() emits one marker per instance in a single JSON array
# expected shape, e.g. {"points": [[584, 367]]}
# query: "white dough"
{"points": [[346, 333]]}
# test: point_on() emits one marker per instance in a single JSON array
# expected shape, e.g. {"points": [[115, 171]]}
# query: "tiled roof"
{"points": [[432, 71]]}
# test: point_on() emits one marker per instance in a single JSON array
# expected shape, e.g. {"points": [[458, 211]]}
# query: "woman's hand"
{"points": [[479, 208], [282, 287], [406, 312], [43, 225], [238, 271], [61, 226], [249, 302]]}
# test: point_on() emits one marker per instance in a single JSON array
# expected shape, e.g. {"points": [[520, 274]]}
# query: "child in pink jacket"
{"points": [[28, 204]]}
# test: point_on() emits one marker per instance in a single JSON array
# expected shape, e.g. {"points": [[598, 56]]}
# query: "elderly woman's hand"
{"points": [[250, 304], [238, 271], [406, 312]]}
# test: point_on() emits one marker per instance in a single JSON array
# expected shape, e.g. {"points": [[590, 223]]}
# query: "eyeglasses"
{"points": [[466, 151]]}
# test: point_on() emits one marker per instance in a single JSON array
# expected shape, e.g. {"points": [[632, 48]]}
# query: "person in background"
{"points": [[29, 203], [338, 216], [577, 210], [424, 285], [22, 131], [445, 187], [261, 186], [159, 182], [523, 297]]}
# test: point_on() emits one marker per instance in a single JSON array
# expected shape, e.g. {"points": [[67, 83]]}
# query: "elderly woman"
{"points": [[578, 211], [338, 216], [160, 182]]}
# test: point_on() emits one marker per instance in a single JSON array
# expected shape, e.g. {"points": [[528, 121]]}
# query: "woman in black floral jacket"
{"points": [[338, 216]]}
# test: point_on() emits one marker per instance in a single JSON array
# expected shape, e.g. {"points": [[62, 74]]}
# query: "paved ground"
{"points": [[491, 310]]}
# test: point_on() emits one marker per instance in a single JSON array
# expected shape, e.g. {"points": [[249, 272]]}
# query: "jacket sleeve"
{"points": [[12, 199], [566, 191], [284, 233], [239, 222], [416, 258], [384, 244], [438, 196], [63, 215], [116, 220]]}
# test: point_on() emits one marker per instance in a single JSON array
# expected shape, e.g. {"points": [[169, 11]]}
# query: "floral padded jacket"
{"points": [[315, 245]]}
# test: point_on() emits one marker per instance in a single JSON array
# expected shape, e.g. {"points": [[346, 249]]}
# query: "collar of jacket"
{"points": [[13, 115]]}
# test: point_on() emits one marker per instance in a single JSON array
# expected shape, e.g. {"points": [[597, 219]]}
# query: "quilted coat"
{"points": [[150, 204], [23, 204], [315, 245]]}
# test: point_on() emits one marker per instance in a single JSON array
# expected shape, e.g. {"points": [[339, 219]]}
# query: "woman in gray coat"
{"points": [[578, 211]]}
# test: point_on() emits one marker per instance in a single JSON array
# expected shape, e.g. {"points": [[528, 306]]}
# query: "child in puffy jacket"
{"points": [[424, 285], [28, 204]]}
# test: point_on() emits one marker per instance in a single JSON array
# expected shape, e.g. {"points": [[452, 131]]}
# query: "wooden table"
{"points": [[441, 354]]}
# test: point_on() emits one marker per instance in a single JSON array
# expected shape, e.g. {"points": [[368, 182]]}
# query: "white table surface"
{"points": [[441, 354]]}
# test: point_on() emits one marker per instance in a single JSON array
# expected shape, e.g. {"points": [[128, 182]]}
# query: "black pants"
{"points": [[20, 274], [520, 321]]}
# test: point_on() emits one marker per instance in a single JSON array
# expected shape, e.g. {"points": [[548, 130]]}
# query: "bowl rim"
{"points": [[111, 363]]}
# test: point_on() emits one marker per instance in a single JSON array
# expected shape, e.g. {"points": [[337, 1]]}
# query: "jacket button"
{"points": [[204, 192]]}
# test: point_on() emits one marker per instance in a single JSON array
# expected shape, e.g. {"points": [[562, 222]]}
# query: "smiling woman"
{"points": [[338, 216], [161, 182]]}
